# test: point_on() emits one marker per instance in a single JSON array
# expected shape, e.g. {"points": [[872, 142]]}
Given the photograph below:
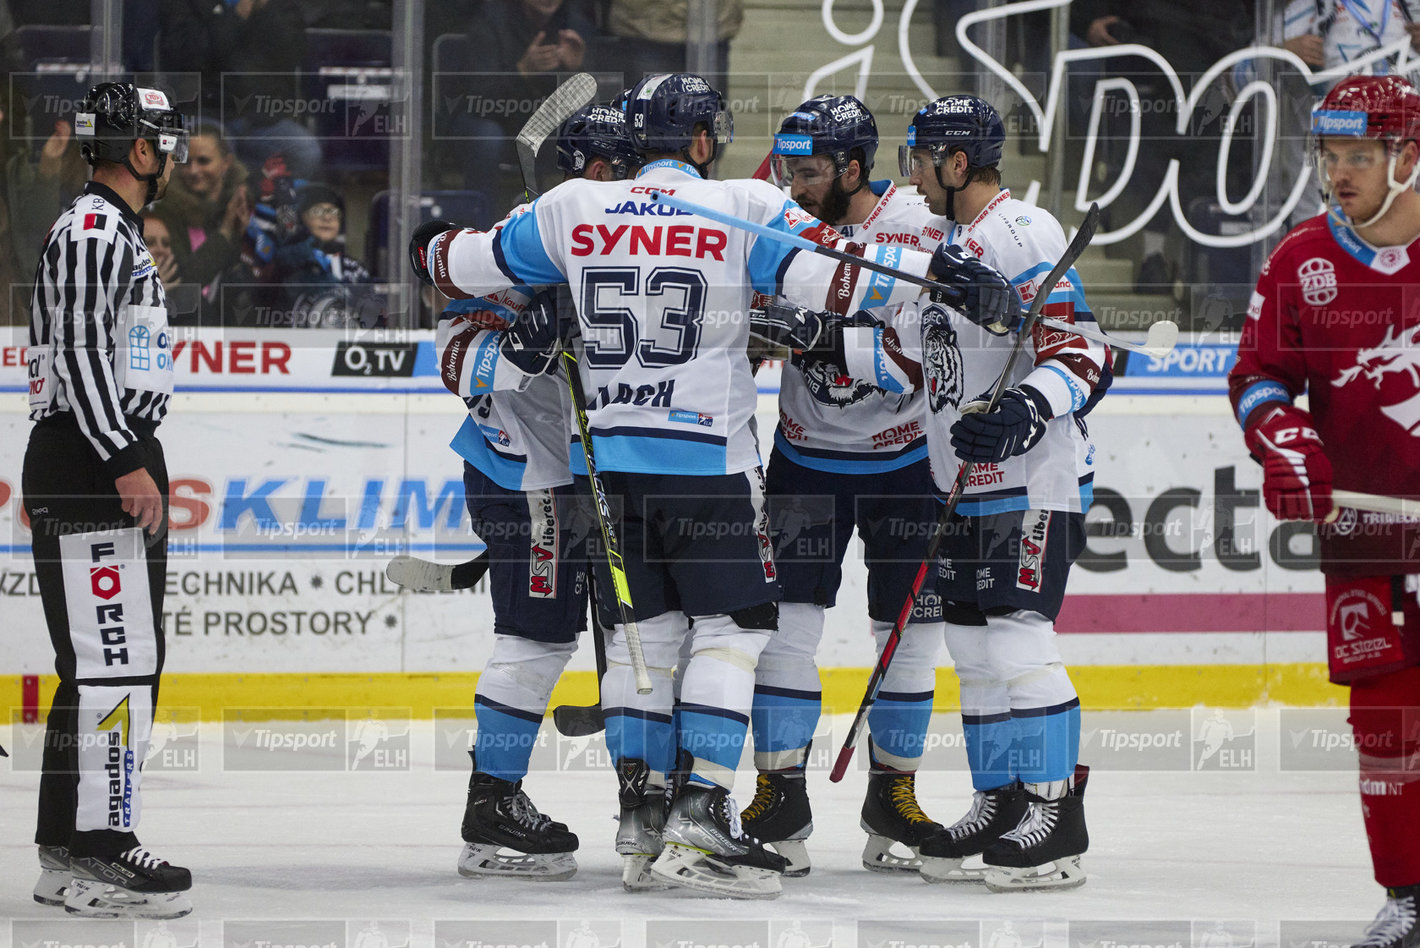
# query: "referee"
{"points": [[95, 488]]}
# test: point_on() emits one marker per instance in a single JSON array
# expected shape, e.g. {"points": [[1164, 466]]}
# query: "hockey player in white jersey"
{"points": [[661, 299], [847, 455], [1020, 523], [497, 353]]}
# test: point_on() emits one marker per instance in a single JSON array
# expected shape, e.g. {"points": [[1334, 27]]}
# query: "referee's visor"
{"points": [[172, 134]]}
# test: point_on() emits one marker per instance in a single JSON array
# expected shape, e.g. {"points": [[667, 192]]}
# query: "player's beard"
{"points": [[835, 204]]}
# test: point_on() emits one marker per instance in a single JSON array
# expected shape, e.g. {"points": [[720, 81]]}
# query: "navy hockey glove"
{"points": [[419, 247], [532, 342], [1015, 427], [1296, 474], [984, 296], [792, 327]]}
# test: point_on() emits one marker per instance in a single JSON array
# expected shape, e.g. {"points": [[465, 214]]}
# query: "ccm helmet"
{"points": [[831, 125], [663, 111], [596, 131], [950, 124], [116, 114], [1385, 108]]}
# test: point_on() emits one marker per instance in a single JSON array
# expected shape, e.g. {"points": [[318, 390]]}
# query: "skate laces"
{"points": [[1395, 920], [903, 797], [983, 807], [521, 809], [1037, 824], [142, 858], [764, 794]]}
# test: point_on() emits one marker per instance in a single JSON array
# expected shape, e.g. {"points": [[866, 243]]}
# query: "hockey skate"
{"points": [[779, 815], [706, 850], [54, 875], [133, 884], [1043, 851], [891, 815], [1398, 924], [505, 836], [638, 833], [993, 813]]}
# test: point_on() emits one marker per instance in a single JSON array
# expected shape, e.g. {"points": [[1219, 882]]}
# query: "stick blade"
{"points": [[577, 91], [420, 575], [1162, 337], [575, 721]]}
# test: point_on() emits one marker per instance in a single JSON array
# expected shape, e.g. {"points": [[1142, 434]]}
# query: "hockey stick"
{"points": [[929, 561], [578, 90], [1163, 335], [573, 720], [1377, 503], [422, 575]]}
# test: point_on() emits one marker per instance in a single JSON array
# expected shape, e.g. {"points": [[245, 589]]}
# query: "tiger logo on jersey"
{"points": [[941, 359], [830, 388], [1393, 367]]}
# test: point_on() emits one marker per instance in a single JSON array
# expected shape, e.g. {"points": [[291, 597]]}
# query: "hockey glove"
{"points": [[1015, 427], [782, 324], [1296, 475], [419, 247], [532, 342], [984, 296]]}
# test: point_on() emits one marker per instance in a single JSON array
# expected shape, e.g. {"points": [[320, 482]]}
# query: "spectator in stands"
{"points": [[167, 242], [654, 34], [517, 49], [208, 198], [250, 54]]}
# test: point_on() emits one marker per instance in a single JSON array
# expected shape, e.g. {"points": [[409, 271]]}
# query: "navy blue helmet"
{"points": [[663, 110], [832, 125], [596, 131], [955, 123]]}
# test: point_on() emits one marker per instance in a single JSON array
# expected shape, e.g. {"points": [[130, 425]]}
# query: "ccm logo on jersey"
{"points": [[676, 240], [1035, 528]]}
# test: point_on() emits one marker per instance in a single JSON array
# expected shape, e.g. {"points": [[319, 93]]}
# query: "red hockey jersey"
{"points": [[1339, 319]]}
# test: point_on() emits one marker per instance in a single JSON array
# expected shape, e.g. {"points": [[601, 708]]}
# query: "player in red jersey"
{"points": [[1336, 315]]}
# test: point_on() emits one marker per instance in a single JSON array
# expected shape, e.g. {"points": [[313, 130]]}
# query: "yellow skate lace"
{"points": [[903, 796], [763, 799]]}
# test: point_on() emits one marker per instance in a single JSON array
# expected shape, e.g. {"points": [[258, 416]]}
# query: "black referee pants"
{"points": [[101, 582]]}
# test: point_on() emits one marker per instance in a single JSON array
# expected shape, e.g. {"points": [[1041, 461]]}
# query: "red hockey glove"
{"points": [[1296, 475]]}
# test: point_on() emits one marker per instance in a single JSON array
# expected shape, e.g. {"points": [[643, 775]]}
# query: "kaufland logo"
{"points": [[1333, 122], [793, 145]]}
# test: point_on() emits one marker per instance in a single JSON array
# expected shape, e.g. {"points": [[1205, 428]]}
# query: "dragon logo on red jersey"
{"points": [[1318, 279], [1393, 367]]}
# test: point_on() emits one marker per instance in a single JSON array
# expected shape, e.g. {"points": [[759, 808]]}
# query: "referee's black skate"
{"points": [[1398, 924], [891, 815], [133, 884], [54, 875], [993, 813], [780, 816], [505, 836], [1043, 851], [706, 849]]}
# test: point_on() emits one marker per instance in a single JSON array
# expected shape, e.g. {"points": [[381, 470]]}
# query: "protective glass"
{"points": [[172, 135], [809, 171], [915, 159]]}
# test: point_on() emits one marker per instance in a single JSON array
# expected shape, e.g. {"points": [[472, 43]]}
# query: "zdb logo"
{"points": [[105, 581], [1318, 279]]}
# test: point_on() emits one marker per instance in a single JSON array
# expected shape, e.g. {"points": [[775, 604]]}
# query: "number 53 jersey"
{"points": [[662, 298]]}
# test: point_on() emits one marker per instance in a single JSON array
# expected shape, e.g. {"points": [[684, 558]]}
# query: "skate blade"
{"points": [[944, 869], [699, 870], [486, 861], [90, 899], [879, 856], [636, 874], [1065, 873], [53, 886], [420, 575], [796, 853]]}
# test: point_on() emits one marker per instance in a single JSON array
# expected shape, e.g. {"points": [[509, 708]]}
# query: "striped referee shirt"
{"points": [[99, 341]]}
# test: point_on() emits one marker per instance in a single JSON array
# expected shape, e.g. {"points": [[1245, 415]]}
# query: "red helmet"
{"points": [[1385, 107]]}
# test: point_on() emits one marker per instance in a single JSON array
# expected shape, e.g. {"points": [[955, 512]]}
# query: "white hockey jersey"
{"points": [[1349, 28], [962, 362], [662, 299], [848, 425]]}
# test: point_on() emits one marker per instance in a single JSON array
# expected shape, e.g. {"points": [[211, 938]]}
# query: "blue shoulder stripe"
{"points": [[520, 253]]}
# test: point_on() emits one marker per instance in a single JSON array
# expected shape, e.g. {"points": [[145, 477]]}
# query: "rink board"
{"points": [[301, 463]]}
